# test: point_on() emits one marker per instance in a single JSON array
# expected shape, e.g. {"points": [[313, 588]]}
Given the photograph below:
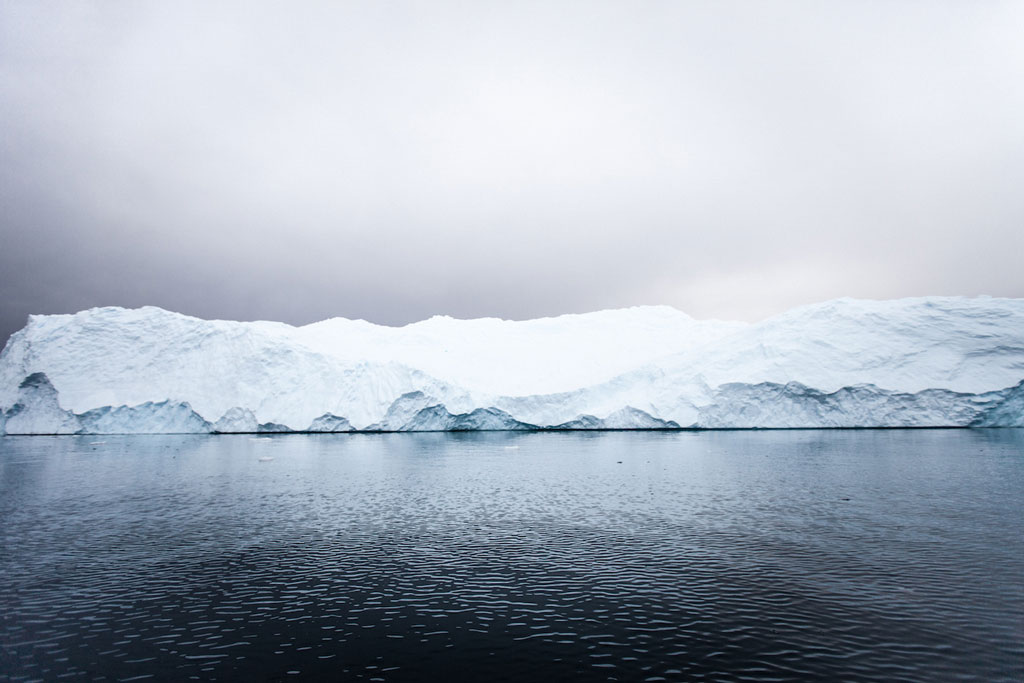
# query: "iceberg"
{"points": [[846, 363]]}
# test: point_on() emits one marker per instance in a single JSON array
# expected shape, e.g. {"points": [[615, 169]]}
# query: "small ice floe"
{"points": [[265, 459], [96, 443], [511, 448]]}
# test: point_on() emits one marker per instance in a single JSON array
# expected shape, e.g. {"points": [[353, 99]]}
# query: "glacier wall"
{"points": [[923, 362]]}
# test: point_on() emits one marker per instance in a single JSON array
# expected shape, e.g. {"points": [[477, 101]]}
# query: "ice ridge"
{"points": [[922, 362]]}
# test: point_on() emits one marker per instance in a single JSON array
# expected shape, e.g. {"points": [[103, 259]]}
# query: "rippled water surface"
{"points": [[885, 555]]}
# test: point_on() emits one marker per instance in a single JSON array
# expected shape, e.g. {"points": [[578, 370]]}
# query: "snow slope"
{"points": [[936, 361]]}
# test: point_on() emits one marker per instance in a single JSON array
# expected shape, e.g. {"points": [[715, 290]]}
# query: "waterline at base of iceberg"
{"points": [[736, 406]]}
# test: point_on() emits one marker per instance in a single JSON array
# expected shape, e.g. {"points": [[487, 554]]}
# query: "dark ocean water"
{"points": [[818, 555]]}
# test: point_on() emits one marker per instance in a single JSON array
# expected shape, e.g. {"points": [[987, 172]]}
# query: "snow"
{"points": [[931, 361]]}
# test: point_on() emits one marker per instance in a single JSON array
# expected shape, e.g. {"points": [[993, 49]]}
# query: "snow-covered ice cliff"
{"points": [[935, 361]]}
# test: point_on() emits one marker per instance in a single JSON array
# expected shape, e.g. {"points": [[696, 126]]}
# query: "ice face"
{"points": [[936, 361], [237, 420], [37, 410]]}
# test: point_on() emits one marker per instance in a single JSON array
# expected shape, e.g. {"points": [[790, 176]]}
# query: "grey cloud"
{"points": [[391, 161]]}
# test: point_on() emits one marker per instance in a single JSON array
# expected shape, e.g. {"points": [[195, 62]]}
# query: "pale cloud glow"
{"points": [[391, 161]]}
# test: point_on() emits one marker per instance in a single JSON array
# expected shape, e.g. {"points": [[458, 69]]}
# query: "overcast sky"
{"points": [[392, 161]]}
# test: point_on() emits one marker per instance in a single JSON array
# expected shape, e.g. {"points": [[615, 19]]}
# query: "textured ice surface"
{"points": [[936, 361], [330, 423], [164, 417], [36, 410], [237, 420]]}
